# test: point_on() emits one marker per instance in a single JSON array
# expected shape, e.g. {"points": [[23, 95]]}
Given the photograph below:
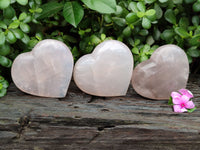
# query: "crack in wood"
{"points": [[24, 122], [94, 138], [105, 127]]}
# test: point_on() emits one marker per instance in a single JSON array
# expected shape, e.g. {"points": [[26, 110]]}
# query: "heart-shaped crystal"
{"points": [[45, 71], [105, 72], [167, 70]]}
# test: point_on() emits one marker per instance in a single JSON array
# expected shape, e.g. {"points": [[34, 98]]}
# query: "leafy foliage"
{"points": [[3, 86], [141, 24]]}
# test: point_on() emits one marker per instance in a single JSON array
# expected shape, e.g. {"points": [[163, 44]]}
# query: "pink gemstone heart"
{"points": [[105, 72], [45, 71], [167, 70]]}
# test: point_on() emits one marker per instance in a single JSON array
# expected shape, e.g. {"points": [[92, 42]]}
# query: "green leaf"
{"points": [[95, 40], [3, 92], [38, 10], [102, 6], [9, 12], [177, 1], [3, 25], [107, 18], [197, 31], [49, 9], [2, 78], [195, 20], [27, 19], [158, 10], [150, 52], [154, 47], [167, 34], [179, 40], [39, 36], [143, 32], [149, 1], [189, 59], [133, 6], [196, 7], [2, 38], [150, 40], [137, 42], [135, 50], [143, 58], [119, 10], [39, 2], [140, 14], [24, 27], [130, 40], [5, 49], [193, 52], [131, 18], [11, 38], [12, 1], [141, 6], [32, 43], [170, 17], [5, 84], [73, 13], [150, 12], [127, 31], [145, 48], [14, 24], [191, 110], [163, 1], [119, 21], [18, 33], [22, 2], [32, 4], [184, 22], [4, 4], [25, 39], [170, 102], [146, 23], [182, 32], [189, 1], [194, 41], [5, 62], [22, 16], [75, 53], [1, 86], [103, 37], [156, 34], [152, 18]]}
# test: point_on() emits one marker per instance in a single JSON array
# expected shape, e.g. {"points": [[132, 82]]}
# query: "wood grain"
{"points": [[80, 121]]}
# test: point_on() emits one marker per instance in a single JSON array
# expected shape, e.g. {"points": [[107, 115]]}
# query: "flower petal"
{"points": [[177, 100], [178, 109], [189, 105], [185, 99], [175, 94], [186, 93]]}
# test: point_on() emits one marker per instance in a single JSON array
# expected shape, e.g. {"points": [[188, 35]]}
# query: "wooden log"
{"points": [[80, 121]]}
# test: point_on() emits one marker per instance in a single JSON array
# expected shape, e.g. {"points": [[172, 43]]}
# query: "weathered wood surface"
{"points": [[81, 121]]}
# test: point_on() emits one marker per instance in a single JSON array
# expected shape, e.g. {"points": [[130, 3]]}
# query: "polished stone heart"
{"points": [[167, 70], [45, 71], [105, 72]]}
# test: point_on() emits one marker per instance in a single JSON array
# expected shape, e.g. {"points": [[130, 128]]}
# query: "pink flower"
{"points": [[182, 102]]}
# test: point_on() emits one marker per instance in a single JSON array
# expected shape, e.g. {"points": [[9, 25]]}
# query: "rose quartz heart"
{"points": [[105, 72], [167, 70], [45, 71]]}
